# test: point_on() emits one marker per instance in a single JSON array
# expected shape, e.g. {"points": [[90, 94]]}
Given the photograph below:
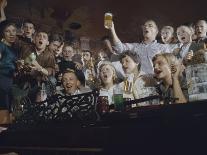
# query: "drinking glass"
{"points": [[108, 20]]}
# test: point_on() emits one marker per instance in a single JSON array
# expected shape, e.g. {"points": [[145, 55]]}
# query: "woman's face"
{"points": [[166, 35], [107, 74], [10, 34], [184, 34], [128, 64], [161, 68]]}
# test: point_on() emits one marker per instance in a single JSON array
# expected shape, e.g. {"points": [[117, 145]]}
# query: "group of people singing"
{"points": [[38, 64]]}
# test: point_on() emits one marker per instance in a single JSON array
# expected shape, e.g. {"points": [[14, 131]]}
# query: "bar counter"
{"points": [[160, 129]]}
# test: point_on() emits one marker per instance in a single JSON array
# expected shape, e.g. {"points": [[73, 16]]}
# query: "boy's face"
{"points": [[128, 64], [28, 30], [184, 34], [10, 34], [68, 53], [70, 82], [41, 40], [150, 29], [54, 46], [161, 68], [106, 74], [166, 35], [201, 29]]}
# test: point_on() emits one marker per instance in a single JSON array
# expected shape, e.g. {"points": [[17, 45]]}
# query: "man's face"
{"points": [[41, 40], [161, 68], [86, 56], [150, 30], [201, 29], [10, 34], [76, 44], [28, 30], [70, 82], [166, 35], [102, 55], [184, 34], [54, 46], [128, 64], [68, 53], [106, 74]]}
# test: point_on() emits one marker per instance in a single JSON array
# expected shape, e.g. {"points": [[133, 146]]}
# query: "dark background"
{"points": [[128, 14]]}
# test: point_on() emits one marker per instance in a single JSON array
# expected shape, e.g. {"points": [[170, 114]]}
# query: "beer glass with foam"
{"points": [[108, 20]]}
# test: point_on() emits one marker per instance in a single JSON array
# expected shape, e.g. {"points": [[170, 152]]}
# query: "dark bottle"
{"points": [[102, 105]]}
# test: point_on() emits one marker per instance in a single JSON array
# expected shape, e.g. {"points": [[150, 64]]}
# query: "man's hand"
{"points": [[20, 64], [78, 66], [36, 66], [189, 56], [3, 4], [112, 29], [176, 70]]}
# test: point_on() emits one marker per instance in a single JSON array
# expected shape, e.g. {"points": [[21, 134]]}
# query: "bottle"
{"points": [[29, 60], [102, 105], [108, 20], [41, 95], [32, 56], [127, 107], [128, 84]]}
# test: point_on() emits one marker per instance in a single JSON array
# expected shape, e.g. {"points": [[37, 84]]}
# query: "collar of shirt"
{"points": [[111, 88], [153, 42], [39, 52], [66, 94], [201, 39]]}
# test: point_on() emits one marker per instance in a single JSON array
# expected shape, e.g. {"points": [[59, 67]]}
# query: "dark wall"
{"points": [[128, 14]]}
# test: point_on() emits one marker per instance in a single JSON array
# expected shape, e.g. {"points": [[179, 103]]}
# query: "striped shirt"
{"points": [[145, 51]]}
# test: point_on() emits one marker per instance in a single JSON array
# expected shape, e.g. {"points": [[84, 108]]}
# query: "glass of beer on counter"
{"points": [[118, 98], [102, 105], [108, 20]]}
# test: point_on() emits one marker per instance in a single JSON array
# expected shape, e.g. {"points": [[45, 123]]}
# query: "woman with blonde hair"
{"points": [[107, 80], [167, 35]]}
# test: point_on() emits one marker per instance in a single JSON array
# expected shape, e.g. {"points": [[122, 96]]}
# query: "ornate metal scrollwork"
{"points": [[61, 108]]}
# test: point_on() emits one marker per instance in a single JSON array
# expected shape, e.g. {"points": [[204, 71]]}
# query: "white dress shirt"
{"points": [[145, 51]]}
